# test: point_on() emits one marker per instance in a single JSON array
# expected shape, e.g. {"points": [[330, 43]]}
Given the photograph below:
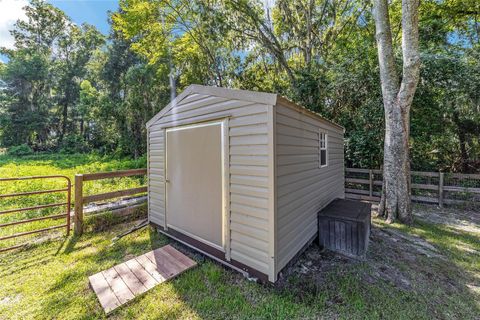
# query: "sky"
{"points": [[94, 12]]}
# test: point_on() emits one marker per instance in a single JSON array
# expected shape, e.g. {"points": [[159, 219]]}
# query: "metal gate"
{"points": [[67, 204]]}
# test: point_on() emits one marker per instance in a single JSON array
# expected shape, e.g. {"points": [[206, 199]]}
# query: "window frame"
{"points": [[322, 146]]}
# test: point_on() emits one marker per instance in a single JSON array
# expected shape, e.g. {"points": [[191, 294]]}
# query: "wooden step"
{"points": [[123, 282]]}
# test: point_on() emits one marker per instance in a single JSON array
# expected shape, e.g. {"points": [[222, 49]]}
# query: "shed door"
{"points": [[194, 182]]}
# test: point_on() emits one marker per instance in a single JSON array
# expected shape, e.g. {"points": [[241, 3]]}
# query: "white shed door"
{"points": [[194, 182]]}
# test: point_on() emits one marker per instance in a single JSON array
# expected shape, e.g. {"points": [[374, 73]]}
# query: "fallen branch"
{"points": [[139, 226]]}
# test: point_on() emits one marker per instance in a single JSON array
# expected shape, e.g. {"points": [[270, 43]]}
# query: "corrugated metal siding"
{"points": [[248, 143], [302, 188]]}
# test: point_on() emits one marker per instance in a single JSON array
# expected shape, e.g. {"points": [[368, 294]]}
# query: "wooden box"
{"points": [[344, 227]]}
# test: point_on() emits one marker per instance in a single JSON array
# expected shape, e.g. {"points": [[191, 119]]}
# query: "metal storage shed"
{"points": [[241, 175]]}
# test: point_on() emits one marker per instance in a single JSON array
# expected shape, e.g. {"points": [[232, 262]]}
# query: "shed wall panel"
{"points": [[249, 152], [302, 187], [156, 182]]}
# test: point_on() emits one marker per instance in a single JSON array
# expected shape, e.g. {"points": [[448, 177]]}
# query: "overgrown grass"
{"points": [[50, 281], [54, 164]]}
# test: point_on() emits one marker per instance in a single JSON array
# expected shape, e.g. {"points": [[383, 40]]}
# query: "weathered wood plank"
{"points": [[150, 268], [132, 282], [425, 174], [168, 268], [146, 278], [179, 258], [107, 298], [463, 175], [461, 189], [186, 261], [120, 284], [361, 181], [357, 170], [424, 186], [113, 174], [361, 197], [114, 194], [119, 287]]}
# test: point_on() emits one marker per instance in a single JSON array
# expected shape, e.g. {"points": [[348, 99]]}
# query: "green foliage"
{"points": [[320, 54], [73, 143], [42, 77], [20, 150]]}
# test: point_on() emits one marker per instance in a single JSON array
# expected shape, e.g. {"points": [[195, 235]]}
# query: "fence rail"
{"points": [[81, 200], [429, 187], [66, 215]]}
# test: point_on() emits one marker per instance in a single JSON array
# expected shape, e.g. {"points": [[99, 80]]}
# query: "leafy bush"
{"points": [[20, 150], [73, 143]]}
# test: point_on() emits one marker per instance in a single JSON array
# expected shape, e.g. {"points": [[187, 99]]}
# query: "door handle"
{"points": [[167, 181]]}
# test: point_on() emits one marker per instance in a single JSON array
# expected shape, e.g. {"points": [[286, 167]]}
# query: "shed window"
{"points": [[322, 137]]}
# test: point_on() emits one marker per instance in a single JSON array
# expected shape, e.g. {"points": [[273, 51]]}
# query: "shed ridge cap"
{"points": [[248, 95]]}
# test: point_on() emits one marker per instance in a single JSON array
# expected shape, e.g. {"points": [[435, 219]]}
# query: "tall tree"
{"points": [[75, 48], [28, 76], [398, 95], [42, 77], [133, 91], [184, 36]]}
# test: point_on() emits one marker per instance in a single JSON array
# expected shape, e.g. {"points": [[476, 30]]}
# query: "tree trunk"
{"points": [[462, 138], [396, 192], [82, 129], [63, 131], [395, 201]]}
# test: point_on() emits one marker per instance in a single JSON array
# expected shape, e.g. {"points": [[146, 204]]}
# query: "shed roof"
{"points": [[236, 94]]}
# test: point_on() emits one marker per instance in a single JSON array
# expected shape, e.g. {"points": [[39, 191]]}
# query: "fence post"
{"points": [[370, 182], [440, 189], [78, 218]]}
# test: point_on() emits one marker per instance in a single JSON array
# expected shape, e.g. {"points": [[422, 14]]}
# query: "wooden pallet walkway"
{"points": [[120, 284]]}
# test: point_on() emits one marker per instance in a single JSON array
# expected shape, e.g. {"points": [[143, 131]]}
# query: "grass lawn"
{"points": [[67, 165], [428, 270], [50, 280]]}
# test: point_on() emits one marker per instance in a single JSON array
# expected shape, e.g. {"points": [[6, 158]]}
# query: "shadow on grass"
{"points": [[93, 254], [320, 284], [70, 245], [32, 263], [443, 234], [317, 285]]}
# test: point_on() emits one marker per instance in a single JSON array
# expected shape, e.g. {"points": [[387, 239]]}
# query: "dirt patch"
{"points": [[402, 260], [10, 300], [463, 220], [315, 266]]}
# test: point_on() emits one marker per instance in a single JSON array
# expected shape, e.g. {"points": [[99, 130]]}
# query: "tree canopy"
{"points": [[68, 87]]}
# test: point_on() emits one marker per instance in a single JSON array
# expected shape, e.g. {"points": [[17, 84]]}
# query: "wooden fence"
{"points": [[427, 187], [81, 199]]}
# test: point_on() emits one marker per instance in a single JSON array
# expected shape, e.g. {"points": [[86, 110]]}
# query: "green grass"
{"points": [[50, 281], [461, 247], [67, 165]]}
